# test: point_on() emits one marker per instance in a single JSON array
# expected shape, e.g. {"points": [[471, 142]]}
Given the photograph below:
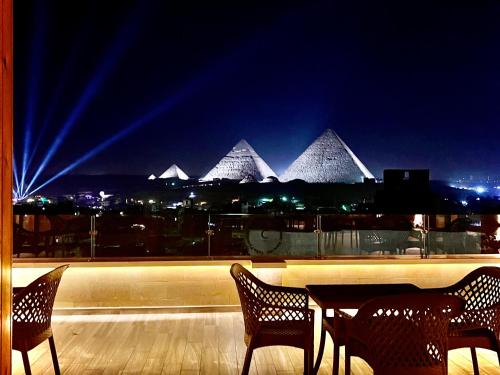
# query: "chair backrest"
{"points": [[406, 333], [32, 305], [257, 298], [480, 288]]}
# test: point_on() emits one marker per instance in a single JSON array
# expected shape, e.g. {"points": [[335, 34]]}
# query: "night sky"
{"points": [[405, 84]]}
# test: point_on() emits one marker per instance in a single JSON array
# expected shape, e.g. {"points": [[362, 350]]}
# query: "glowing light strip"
{"points": [[121, 42]]}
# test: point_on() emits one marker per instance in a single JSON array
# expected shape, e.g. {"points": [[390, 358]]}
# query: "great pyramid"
{"points": [[174, 172], [242, 162], [327, 160]]}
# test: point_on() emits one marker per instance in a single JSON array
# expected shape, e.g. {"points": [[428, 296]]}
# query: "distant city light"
{"points": [[192, 195], [464, 203], [151, 201], [479, 189], [418, 220]]}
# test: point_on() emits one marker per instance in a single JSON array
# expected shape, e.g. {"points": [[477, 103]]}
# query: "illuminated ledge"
{"points": [[197, 285], [257, 262], [145, 310]]}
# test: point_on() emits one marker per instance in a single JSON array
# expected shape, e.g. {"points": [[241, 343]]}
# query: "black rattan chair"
{"points": [[274, 315], [405, 334], [32, 313], [479, 325]]}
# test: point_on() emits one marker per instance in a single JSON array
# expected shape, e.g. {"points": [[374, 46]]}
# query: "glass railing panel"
{"points": [[464, 234], [166, 234], [369, 234], [185, 233], [264, 235], [51, 236]]}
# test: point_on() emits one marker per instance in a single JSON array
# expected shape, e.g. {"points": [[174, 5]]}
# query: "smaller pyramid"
{"points": [[242, 161], [327, 160], [152, 177], [174, 172]]}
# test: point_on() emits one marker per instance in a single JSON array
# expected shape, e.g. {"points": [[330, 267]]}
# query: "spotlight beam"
{"points": [[63, 78], [167, 105], [223, 66], [36, 62], [113, 55], [16, 178]]}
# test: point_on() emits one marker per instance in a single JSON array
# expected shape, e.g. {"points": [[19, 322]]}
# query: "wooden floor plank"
{"points": [[175, 344]]}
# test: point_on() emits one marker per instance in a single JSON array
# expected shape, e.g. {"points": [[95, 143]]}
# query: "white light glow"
{"points": [[497, 233], [418, 221], [479, 189]]}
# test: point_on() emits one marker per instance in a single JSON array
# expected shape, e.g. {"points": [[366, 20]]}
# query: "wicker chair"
{"points": [[31, 316], [405, 334], [274, 315], [479, 325]]}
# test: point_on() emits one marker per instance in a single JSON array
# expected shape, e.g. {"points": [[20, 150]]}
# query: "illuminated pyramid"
{"points": [[327, 159], [174, 172], [241, 163]]}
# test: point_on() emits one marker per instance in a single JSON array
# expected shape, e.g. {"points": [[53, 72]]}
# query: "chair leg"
{"points": [[347, 369], [309, 361], [474, 361], [57, 371], [26, 362], [306, 362], [336, 359], [248, 359]]}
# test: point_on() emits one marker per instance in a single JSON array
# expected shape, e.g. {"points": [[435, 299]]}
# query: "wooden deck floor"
{"points": [[197, 343]]}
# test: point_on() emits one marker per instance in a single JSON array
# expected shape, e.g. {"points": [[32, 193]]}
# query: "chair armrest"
{"points": [[284, 314], [285, 296], [488, 317]]}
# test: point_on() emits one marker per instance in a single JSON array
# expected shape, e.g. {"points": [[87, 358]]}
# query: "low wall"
{"points": [[99, 286]]}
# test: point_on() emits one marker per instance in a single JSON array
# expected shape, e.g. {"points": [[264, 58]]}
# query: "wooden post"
{"points": [[6, 122]]}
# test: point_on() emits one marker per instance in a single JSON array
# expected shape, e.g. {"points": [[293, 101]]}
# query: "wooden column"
{"points": [[6, 124]]}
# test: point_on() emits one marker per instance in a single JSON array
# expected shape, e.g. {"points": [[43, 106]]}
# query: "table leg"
{"points": [[321, 343]]}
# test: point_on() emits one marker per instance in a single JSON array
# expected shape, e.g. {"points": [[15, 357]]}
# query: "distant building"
{"points": [[174, 172], [405, 191], [327, 160], [241, 163]]}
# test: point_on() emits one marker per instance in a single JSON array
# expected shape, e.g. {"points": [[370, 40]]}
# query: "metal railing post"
{"points": [[209, 233], [318, 235], [93, 234]]}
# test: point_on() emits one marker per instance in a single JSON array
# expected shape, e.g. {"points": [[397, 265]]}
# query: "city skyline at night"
{"points": [[133, 87]]}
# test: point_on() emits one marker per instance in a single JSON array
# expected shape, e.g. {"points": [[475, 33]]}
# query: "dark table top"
{"points": [[352, 296]]}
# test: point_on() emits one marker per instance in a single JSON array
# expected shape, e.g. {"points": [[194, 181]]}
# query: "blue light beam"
{"points": [[36, 62], [223, 66], [167, 105], [121, 42], [68, 68], [16, 177]]}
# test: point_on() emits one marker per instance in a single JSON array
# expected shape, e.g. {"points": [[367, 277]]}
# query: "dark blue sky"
{"points": [[405, 84]]}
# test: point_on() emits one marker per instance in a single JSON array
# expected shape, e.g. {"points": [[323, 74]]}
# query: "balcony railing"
{"points": [[175, 234]]}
